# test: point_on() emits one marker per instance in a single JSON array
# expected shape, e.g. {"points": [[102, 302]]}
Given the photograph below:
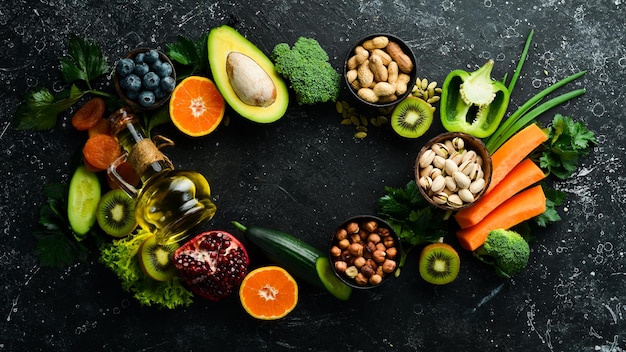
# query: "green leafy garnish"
{"points": [[83, 64], [568, 141], [190, 56], [56, 245], [414, 220], [120, 257]]}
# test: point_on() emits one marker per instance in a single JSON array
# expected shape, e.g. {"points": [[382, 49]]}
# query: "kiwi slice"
{"points": [[412, 117], [156, 260], [116, 213], [439, 263]]}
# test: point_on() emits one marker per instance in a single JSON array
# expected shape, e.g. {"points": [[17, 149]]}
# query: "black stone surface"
{"points": [[305, 173]]}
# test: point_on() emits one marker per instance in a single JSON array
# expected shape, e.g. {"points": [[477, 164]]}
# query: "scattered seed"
{"points": [[339, 107], [360, 135], [346, 122], [355, 120], [361, 128]]}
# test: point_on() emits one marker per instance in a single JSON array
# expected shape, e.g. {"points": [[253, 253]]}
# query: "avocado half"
{"points": [[222, 41]]}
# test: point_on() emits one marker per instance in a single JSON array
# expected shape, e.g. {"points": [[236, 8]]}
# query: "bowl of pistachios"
{"points": [[453, 170], [365, 251]]}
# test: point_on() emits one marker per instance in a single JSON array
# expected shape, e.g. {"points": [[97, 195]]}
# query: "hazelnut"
{"points": [[375, 279], [359, 262], [341, 266], [389, 242], [335, 251], [379, 256], [351, 272], [370, 226], [343, 244], [383, 231], [352, 227], [380, 247], [367, 270], [392, 252], [341, 234], [356, 249], [374, 238], [361, 280], [355, 238], [389, 266]]}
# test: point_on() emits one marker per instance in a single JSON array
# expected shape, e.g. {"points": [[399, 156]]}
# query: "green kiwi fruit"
{"points": [[439, 263], [156, 260], [412, 117], [116, 213]]}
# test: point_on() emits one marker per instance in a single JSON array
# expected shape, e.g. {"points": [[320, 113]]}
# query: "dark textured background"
{"points": [[306, 173]]}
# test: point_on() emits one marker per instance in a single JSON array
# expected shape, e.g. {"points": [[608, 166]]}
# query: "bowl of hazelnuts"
{"points": [[365, 251]]}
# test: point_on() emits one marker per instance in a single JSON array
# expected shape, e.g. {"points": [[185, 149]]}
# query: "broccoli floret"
{"points": [[506, 250], [306, 67]]}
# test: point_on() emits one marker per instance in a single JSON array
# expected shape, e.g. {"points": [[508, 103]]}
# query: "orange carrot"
{"points": [[521, 207], [513, 151], [522, 176]]}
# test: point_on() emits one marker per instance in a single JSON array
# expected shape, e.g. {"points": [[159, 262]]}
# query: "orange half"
{"points": [[268, 293], [196, 106]]}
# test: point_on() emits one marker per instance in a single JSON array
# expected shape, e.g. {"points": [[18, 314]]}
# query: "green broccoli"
{"points": [[506, 250], [306, 67]]}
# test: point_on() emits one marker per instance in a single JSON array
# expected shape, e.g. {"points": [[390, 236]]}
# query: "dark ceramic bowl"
{"points": [[346, 257], [471, 143], [133, 103], [384, 103]]}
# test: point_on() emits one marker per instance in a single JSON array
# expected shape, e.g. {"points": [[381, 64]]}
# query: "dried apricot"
{"points": [[89, 114], [101, 150], [103, 126]]}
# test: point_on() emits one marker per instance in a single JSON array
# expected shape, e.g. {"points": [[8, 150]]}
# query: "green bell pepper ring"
{"points": [[473, 103]]}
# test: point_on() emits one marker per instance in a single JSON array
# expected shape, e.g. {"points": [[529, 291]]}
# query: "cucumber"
{"points": [[82, 201], [299, 258]]}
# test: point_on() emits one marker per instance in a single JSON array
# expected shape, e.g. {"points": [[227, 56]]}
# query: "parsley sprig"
{"points": [[80, 68], [414, 220]]}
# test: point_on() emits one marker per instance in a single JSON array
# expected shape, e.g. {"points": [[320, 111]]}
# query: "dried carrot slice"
{"points": [[89, 114], [101, 150]]}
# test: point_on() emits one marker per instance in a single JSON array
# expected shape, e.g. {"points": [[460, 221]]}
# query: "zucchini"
{"points": [[299, 258]]}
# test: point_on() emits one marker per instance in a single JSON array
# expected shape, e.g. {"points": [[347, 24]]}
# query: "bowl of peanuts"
{"points": [[380, 70], [453, 170], [365, 252]]}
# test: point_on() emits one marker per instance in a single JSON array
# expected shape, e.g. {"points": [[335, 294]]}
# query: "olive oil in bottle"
{"points": [[169, 202]]}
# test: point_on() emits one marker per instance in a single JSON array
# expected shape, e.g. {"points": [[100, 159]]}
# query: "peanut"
{"points": [[376, 43], [392, 72], [365, 75], [378, 68], [404, 62], [383, 89], [351, 75], [383, 55], [368, 95], [402, 83]]}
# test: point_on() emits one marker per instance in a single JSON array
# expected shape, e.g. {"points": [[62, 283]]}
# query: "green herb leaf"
{"points": [[56, 246], [84, 62], [567, 143], [41, 108], [411, 216], [554, 198], [191, 55]]}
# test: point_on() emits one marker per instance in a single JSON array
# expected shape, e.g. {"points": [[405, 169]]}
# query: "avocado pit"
{"points": [[249, 80]]}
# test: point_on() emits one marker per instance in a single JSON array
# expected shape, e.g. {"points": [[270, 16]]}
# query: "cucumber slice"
{"points": [[332, 283], [82, 201]]}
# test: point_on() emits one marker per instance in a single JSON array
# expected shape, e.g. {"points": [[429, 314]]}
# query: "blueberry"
{"points": [[131, 83], [164, 69], [159, 93], [132, 94], [151, 56], [141, 69], [151, 80], [125, 67], [167, 84], [139, 58], [146, 98]]}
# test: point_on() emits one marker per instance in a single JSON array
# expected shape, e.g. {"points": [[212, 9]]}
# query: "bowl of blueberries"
{"points": [[144, 78]]}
